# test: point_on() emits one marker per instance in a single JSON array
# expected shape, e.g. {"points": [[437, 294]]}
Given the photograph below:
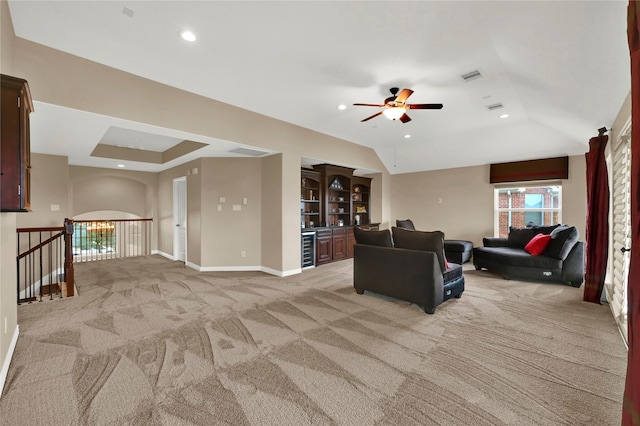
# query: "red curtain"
{"points": [[597, 237], [631, 401]]}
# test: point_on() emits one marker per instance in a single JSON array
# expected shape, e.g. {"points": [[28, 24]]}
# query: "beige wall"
{"points": [[194, 216], [96, 189], [227, 232], [459, 201], [7, 37], [271, 220], [8, 308], [49, 187]]}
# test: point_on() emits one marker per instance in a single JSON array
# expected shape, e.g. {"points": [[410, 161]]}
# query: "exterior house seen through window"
{"points": [[518, 206], [94, 237]]}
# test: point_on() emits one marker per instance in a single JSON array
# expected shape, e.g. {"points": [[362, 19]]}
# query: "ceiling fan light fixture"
{"points": [[188, 35], [394, 113]]}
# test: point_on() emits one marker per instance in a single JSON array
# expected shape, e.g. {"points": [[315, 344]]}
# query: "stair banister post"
{"points": [[68, 256]]}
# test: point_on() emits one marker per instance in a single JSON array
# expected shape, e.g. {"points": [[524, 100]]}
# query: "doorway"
{"points": [[180, 219]]}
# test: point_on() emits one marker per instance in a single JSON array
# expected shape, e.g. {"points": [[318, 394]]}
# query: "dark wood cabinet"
{"points": [[15, 151], [324, 246], [339, 243], [351, 241]]}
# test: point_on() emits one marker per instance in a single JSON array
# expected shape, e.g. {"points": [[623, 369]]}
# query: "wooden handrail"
{"points": [[54, 228], [113, 220], [42, 244]]}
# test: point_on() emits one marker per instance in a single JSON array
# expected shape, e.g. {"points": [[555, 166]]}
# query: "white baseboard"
{"points": [[281, 273], [222, 268], [7, 359], [243, 268], [161, 253]]}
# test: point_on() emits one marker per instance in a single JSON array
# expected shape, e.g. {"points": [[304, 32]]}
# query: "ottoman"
{"points": [[458, 251]]}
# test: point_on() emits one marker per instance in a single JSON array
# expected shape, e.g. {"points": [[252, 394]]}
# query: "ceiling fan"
{"points": [[395, 107]]}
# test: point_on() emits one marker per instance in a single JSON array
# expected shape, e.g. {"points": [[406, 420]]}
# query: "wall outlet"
{"points": [[221, 199], [245, 200], [219, 207], [55, 207], [237, 207], [243, 253]]}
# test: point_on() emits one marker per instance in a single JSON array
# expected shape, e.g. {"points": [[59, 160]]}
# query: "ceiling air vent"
{"points": [[471, 75], [251, 152], [495, 106]]}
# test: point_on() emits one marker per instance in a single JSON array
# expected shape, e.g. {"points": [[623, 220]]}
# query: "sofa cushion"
{"points": [[542, 229], [406, 224], [563, 238], [453, 272], [421, 240], [372, 238], [515, 257], [519, 237], [495, 241], [537, 244], [458, 246]]}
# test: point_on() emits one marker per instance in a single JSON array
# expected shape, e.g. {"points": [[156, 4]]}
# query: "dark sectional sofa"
{"points": [[411, 266], [561, 260]]}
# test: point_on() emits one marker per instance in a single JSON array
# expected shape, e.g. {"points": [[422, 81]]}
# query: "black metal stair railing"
{"points": [[40, 263], [111, 239], [46, 255]]}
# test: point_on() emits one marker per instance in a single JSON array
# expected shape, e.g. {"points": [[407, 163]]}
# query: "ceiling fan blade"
{"points": [[424, 106], [405, 118], [402, 96], [373, 116], [375, 105]]}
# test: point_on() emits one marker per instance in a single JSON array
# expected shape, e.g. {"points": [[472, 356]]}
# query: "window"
{"points": [[519, 206], [93, 237], [619, 165]]}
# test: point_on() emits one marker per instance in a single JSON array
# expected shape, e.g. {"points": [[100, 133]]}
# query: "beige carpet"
{"points": [[150, 342]]}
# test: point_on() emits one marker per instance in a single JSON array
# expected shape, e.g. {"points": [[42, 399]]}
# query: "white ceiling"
{"points": [[560, 68]]}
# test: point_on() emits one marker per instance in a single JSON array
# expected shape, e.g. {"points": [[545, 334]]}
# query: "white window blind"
{"points": [[621, 238]]}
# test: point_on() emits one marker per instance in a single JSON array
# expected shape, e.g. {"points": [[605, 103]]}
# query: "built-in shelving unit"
{"points": [[310, 200], [332, 200]]}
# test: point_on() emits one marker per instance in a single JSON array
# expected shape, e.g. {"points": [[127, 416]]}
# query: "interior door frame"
{"points": [[179, 203]]}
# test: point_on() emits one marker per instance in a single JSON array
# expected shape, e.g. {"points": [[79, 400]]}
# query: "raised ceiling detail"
{"points": [[131, 145], [141, 155]]}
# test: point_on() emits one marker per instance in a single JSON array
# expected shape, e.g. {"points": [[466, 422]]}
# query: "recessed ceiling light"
{"points": [[188, 36], [504, 116], [121, 165], [407, 136], [342, 107]]}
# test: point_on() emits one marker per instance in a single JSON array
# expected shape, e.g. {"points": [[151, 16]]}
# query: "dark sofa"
{"points": [[413, 269], [561, 260]]}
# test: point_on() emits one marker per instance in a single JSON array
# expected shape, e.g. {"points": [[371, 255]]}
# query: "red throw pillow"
{"points": [[537, 244]]}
